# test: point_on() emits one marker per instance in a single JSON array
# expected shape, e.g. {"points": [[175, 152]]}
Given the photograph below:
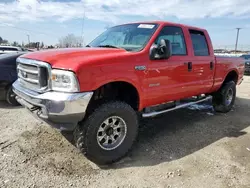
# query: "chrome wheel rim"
{"points": [[111, 133], [229, 97]]}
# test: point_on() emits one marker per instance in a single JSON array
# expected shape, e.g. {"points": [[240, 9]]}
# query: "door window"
{"points": [[199, 41], [176, 38]]}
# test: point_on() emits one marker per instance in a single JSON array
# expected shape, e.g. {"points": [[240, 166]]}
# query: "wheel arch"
{"points": [[118, 90], [232, 75]]}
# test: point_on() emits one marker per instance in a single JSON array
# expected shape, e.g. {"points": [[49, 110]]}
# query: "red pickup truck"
{"points": [[132, 70]]}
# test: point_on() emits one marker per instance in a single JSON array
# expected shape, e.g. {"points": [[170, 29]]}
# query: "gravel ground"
{"points": [[192, 147]]}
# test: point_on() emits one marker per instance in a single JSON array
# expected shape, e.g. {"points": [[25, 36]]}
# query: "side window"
{"points": [[176, 38], [139, 39], [8, 49], [199, 41]]}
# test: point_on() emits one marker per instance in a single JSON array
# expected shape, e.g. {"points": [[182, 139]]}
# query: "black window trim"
{"points": [[186, 54], [196, 30]]}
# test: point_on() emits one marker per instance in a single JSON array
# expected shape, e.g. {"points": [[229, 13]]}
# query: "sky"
{"points": [[48, 20]]}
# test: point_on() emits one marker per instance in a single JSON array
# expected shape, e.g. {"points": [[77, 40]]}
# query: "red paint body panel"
{"points": [[162, 81], [225, 65]]}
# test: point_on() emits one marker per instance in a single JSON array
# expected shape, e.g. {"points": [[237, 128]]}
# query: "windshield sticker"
{"points": [[146, 26]]}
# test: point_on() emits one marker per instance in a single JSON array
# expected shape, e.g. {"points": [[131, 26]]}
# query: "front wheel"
{"points": [[224, 99], [108, 133], [11, 97]]}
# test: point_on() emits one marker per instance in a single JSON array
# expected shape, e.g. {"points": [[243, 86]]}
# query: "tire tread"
{"points": [[218, 98], [82, 130]]}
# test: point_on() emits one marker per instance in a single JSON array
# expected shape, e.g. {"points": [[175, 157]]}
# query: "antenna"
{"points": [[83, 19]]}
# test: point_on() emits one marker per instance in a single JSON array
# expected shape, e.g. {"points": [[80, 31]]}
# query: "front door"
{"points": [[173, 78]]}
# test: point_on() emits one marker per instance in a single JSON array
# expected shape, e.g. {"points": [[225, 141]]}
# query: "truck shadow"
{"points": [[181, 133], [5, 105]]}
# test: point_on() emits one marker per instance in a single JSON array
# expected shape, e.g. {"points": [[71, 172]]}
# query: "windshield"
{"points": [[246, 56], [131, 37]]}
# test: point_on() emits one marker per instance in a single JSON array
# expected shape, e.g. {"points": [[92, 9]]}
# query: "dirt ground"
{"points": [[192, 147]]}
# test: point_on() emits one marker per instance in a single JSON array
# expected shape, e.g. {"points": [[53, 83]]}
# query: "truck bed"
{"points": [[223, 64]]}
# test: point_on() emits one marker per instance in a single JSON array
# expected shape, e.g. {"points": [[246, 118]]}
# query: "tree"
{"points": [[3, 41], [50, 47], [42, 45], [15, 43], [32, 45], [70, 41]]}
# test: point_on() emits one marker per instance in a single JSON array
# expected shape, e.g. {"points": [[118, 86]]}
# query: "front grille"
{"points": [[33, 74]]}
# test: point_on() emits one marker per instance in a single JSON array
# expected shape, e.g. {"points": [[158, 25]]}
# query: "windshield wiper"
{"points": [[88, 45], [107, 46]]}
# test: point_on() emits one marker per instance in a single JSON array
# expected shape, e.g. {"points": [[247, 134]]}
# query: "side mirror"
{"points": [[161, 51]]}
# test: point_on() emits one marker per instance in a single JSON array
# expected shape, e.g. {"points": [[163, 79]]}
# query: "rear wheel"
{"points": [[224, 99], [108, 133], [11, 97]]}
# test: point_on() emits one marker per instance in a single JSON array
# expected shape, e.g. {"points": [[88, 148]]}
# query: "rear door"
{"points": [[203, 60]]}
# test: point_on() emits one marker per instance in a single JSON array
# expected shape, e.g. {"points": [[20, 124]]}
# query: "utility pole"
{"points": [[28, 40], [237, 38]]}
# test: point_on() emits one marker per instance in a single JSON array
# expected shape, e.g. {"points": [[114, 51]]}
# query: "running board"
{"points": [[152, 114]]}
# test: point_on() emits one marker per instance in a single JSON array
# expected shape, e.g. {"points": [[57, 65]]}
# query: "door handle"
{"points": [[189, 65], [211, 65]]}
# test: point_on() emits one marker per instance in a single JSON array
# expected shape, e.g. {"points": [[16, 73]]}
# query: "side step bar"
{"points": [[152, 114]]}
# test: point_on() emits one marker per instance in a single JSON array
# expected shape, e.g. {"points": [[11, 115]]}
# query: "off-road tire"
{"points": [[86, 131], [220, 98], [10, 97]]}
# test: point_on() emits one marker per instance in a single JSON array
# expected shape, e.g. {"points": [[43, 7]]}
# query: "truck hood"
{"points": [[71, 58]]}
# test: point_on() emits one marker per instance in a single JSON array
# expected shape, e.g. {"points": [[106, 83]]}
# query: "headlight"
{"points": [[65, 81]]}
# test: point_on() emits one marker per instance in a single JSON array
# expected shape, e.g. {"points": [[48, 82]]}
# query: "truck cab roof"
{"points": [[166, 23]]}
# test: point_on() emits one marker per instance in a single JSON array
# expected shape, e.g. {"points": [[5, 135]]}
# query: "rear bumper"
{"points": [[247, 69], [61, 110]]}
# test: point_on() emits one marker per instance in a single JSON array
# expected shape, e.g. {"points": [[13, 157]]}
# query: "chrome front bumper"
{"points": [[61, 110]]}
